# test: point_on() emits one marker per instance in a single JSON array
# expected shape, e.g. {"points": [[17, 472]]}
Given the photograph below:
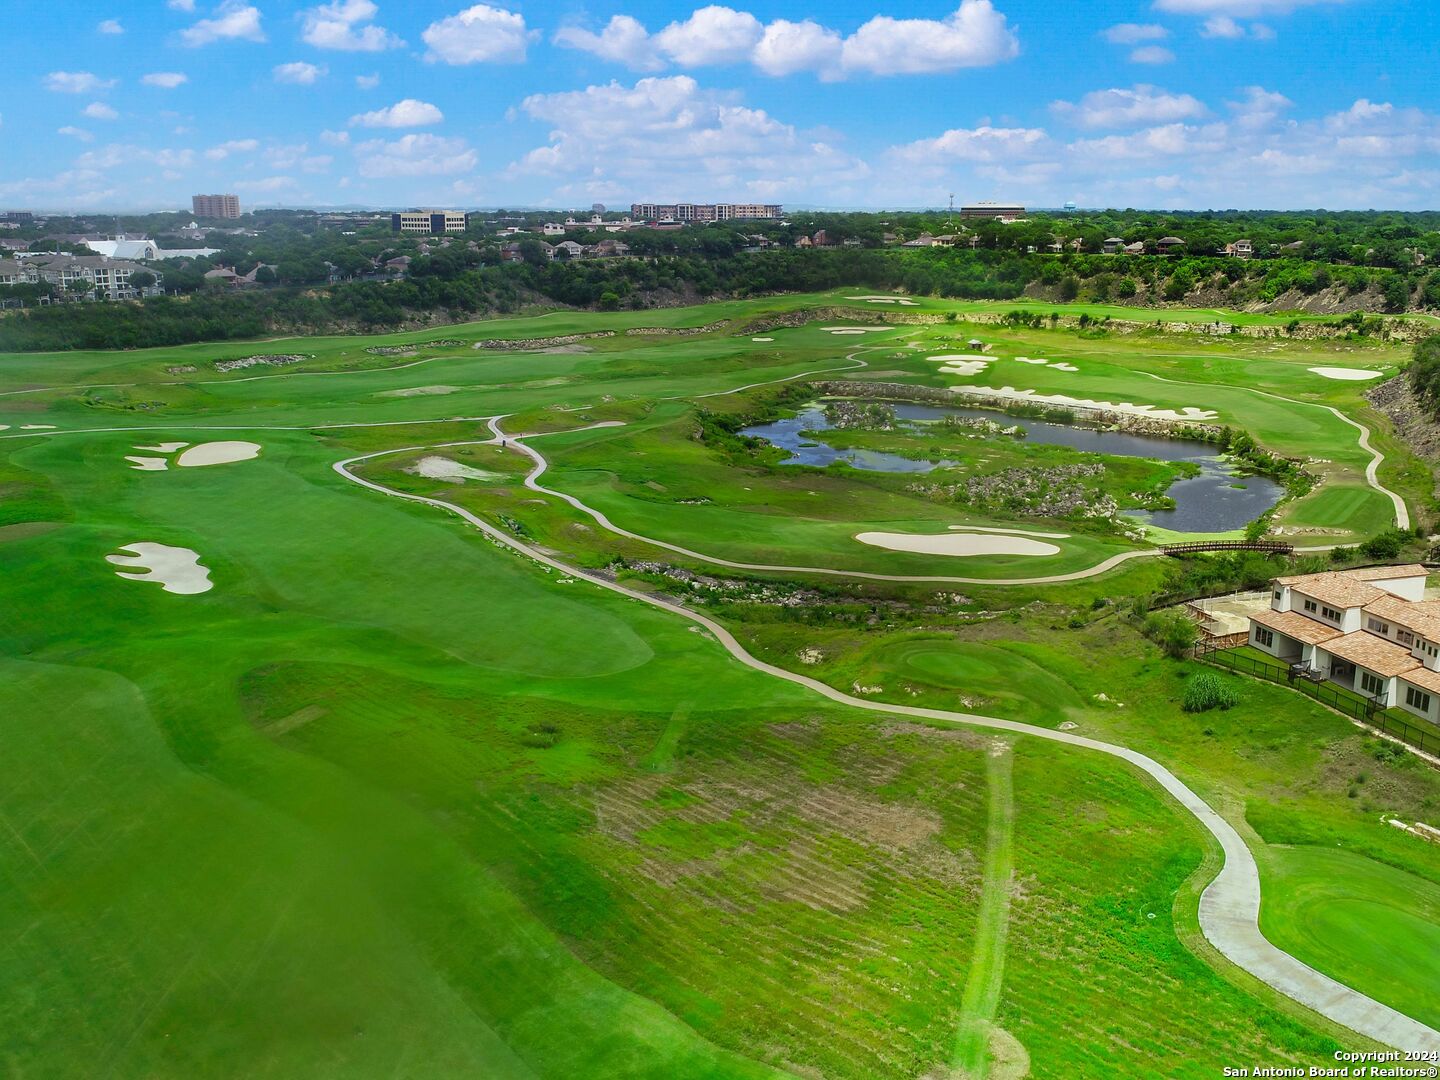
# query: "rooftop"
{"points": [[1385, 658], [1294, 625], [1336, 589]]}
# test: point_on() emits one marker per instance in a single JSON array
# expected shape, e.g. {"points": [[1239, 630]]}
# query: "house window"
{"points": [[1330, 613], [1311, 606], [1405, 638], [1277, 594], [1371, 684], [1379, 627], [1264, 637], [1417, 700]]}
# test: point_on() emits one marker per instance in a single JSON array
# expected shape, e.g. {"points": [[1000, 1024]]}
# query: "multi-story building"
{"points": [[430, 222], [17, 217], [215, 206], [1370, 631], [691, 213], [109, 278], [1006, 212]]}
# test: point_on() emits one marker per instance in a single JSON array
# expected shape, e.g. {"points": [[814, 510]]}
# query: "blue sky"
{"points": [[136, 104]]}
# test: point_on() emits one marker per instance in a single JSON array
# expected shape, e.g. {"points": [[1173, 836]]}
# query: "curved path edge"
{"points": [[541, 465], [1229, 911]]}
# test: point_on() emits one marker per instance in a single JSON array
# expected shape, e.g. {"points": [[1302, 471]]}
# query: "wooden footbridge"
{"points": [[1268, 547]]}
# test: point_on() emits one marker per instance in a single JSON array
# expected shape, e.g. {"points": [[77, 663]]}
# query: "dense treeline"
{"points": [[460, 282]]}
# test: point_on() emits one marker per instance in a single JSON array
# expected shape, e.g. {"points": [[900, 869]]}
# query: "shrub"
{"points": [[1208, 691], [1172, 631], [1386, 545]]}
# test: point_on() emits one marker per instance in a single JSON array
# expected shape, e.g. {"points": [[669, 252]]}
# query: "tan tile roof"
{"points": [[1424, 678], [1338, 590], [1369, 651], [1388, 573], [1295, 625], [1423, 617]]}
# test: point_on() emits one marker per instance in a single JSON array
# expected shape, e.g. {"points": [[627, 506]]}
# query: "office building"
{"points": [[430, 222], [215, 206]]}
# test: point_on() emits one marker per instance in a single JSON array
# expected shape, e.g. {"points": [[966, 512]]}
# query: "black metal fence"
{"points": [[1418, 735]]}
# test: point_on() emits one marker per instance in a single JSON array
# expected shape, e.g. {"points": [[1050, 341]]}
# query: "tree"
{"points": [[142, 279]]}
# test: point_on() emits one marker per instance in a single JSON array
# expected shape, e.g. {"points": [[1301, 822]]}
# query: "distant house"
{"points": [[1137, 248], [1240, 249], [1170, 245], [1056, 248], [571, 249], [804, 242], [611, 248], [1369, 631], [1077, 245], [1113, 245], [552, 228], [924, 240], [821, 238], [398, 265], [222, 275]]}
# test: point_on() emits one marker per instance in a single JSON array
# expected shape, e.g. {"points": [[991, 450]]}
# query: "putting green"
{"points": [[1372, 926]]}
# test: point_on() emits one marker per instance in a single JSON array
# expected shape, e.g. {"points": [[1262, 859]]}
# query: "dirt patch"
{"points": [[965, 737]]}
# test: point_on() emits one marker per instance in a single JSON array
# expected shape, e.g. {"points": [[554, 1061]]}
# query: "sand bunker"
{"points": [[420, 391], [1031, 360], [218, 453], [148, 464], [1064, 367], [1129, 408], [903, 301], [962, 545], [1345, 374], [176, 569], [1010, 532], [762, 339], [164, 447], [37, 427], [856, 329], [454, 472], [963, 363]]}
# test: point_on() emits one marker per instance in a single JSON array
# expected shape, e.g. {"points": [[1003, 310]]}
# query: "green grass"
{"points": [[1369, 925], [390, 800]]}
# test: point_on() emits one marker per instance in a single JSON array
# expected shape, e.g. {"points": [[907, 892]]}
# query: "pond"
{"points": [[1220, 498]]}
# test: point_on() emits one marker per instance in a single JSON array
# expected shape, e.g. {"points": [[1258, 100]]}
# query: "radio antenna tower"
{"points": [[950, 222]]}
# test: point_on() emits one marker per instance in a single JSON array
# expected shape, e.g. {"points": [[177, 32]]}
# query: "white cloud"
{"points": [[118, 155], [1222, 26], [338, 25], [1134, 33], [299, 73], [233, 21], [98, 110], [335, 138], [984, 143], [415, 155], [788, 47], [1363, 113], [976, 35], [623, 41], [181, 5], [166, 80], [234, 146], [75, 133], [712, 35], [479, 34], [1167, 140], [1121, 108], [670, 136], [1152, 54], [76, 82], [1260, 107], [367, 82], [110, 26], [403, 114]]}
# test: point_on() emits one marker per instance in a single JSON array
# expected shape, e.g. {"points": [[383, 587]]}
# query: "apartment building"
{"points": [[215, 206], [109, 278], [1370, 631], [430, 222], [693, 213]]}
